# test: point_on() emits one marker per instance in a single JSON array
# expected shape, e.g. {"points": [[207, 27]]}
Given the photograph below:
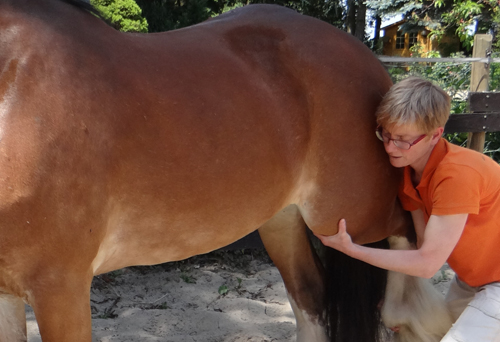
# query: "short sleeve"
{"points": [[456, 190]]}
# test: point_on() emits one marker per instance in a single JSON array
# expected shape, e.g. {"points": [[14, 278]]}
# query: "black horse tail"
{"points": [[354, 292]]}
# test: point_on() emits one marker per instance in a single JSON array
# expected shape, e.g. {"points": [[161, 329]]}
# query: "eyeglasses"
{"points": [[404, 145]]}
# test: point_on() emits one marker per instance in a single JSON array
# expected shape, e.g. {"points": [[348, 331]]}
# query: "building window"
{"points": [[400, 40], [413, 39]]}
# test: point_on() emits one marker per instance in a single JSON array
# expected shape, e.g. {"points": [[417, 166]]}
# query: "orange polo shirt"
{"points": [[457, 180]]}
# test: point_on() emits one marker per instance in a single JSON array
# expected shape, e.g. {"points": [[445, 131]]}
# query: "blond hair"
{"points": [[414, 101]]}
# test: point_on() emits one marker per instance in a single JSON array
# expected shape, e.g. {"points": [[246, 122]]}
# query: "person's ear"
{"points": [[436, 136]]}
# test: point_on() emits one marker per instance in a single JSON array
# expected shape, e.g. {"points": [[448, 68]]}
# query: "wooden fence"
{"points": [[484, 116]]}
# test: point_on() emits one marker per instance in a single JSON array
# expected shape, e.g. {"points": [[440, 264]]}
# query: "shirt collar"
{"points": [[437, 155]]}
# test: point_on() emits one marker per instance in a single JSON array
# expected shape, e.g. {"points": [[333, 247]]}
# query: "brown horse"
{"points": [[128, 149]]}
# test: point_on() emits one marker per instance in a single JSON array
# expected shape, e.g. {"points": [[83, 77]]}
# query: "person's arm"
{"points": [[441, 235], [419, 224]]}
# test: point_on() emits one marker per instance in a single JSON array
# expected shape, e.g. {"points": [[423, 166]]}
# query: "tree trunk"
{"points": [[360, 21], [376, 37], [351, 17]]}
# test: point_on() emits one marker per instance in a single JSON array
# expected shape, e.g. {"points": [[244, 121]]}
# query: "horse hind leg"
{"points": [[286, 241], [414, 306], [12, 319]]}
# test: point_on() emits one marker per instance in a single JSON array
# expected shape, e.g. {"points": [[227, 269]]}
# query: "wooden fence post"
{"points": [[480, 75]]}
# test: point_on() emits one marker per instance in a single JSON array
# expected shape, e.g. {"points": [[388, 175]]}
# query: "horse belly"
{"points": [[155, 240], [173, 207]]}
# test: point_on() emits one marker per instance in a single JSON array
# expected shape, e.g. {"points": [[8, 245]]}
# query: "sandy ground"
{"points": [[220, 297]]}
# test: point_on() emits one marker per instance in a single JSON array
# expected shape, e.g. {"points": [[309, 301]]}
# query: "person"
{"points": [[453, 194]]}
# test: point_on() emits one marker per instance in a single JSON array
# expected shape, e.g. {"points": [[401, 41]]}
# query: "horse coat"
{"points": [[131, 149]]}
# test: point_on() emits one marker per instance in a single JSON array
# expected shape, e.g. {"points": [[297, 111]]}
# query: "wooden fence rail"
{"points": [[455, 60], [485, 117], [473, 122]]}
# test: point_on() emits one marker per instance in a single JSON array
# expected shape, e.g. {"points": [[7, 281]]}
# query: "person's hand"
{"points": [[341, 241]]}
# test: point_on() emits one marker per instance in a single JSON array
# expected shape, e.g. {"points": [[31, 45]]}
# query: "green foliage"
{"points": [[462, 15], [495, 73], [330, 11], [385, 7], [108, 314], [163, 306], [495, 19], [492, 140], [229, 8], [164, 15], [188, 279], [223, 290], [124, 15]]}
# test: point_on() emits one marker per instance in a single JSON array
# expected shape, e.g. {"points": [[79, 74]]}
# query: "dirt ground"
{"points": [[220, 297]]}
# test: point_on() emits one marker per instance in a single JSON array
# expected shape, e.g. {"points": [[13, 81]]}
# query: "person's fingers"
{"points": [[342, 226]]}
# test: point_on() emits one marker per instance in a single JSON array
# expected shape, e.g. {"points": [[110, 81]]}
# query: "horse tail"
{"points": [[354, 292]]}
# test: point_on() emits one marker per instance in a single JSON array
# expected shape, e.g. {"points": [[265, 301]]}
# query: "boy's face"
{"points": [[418, 154]]}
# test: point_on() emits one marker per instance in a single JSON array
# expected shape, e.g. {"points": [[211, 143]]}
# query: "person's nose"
{"points": [[390, 147]]}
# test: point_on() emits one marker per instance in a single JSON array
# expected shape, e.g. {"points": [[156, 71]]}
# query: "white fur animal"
{"points": [[413, 305]]}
